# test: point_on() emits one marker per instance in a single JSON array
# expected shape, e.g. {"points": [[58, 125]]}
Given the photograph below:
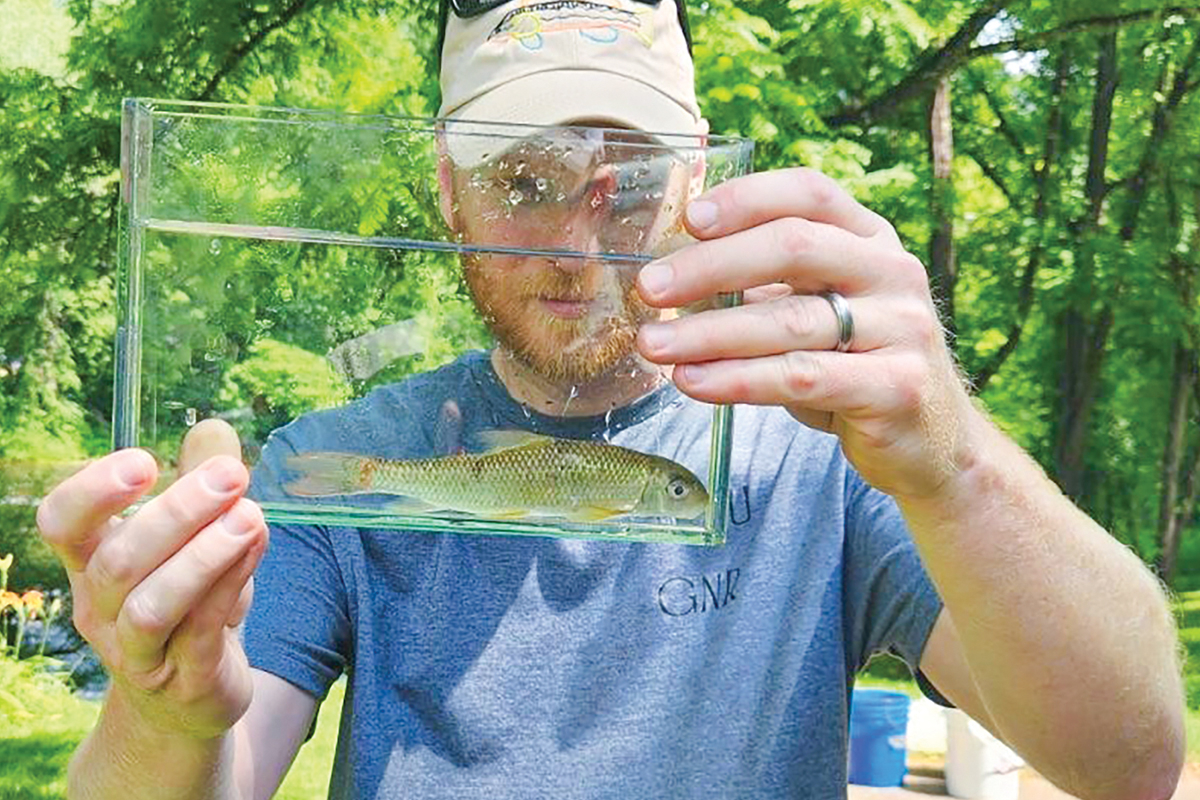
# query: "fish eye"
{"points": [[677, 489]]}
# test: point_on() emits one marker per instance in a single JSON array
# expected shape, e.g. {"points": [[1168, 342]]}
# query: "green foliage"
{"points": [[794, 75], [1188, 616], [35, 36], [286, 380], [886, 667], [36, 700], [42, 728], [41, 724], [34, 563]]}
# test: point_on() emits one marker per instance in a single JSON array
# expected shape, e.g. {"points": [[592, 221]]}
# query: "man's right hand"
{"points": [[159, 593]]}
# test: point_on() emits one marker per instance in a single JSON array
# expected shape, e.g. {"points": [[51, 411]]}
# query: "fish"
{"points": [[518, 475]]}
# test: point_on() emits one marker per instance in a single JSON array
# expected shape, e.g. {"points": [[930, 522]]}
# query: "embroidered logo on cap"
{"points": [[596, 22]]}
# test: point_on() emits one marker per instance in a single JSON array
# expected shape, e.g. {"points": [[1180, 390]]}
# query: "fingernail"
{"points": [[238, 521], [657, 336], [693, 374], [656, 277], [220, 477], [132, 472], [702, 214]]}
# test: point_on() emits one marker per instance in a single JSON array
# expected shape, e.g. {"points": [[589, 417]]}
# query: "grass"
{"points": [[309, 776], [1187, 606], [41, 722], [903, 685]]}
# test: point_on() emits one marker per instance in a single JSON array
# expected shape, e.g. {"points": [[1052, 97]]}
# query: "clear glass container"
{"points": [[417, 324]]}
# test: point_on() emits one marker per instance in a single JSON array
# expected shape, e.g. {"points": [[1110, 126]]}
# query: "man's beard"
{"points": [[575, 351]]}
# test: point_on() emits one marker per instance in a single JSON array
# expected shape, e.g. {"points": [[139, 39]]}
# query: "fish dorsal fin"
{"points": [[496, 440]]}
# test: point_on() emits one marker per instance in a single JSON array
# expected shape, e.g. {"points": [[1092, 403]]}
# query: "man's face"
{"points": [[570, 319]]}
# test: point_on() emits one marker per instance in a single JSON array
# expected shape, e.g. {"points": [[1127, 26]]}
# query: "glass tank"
{"points": [[417, 324]]}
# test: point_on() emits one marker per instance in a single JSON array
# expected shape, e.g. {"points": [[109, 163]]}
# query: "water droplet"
{"points": [[189, 417], [515, 197], [214, 246], [541, 184]]}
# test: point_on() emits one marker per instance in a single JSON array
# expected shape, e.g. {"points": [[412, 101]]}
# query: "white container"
{"points": [[978, 765], [926, 727]]}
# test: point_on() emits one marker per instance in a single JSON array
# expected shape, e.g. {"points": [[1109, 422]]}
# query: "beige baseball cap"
{"points": [[551, 62]]}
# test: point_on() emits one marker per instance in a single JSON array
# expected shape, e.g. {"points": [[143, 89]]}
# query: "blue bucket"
{"points": [[878, 722]]}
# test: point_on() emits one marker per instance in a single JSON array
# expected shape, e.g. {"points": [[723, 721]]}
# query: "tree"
{"points": [[59, 178], [1056, 201]]}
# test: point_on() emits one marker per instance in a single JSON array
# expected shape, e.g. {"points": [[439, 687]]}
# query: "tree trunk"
{"points": [[1170, 520], [942, 267], [1085, 332], [1179, 488], [1085, 345]]}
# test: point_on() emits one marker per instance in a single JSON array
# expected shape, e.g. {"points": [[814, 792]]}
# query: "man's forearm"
{"points": [[1068, 636], [124, 758]]}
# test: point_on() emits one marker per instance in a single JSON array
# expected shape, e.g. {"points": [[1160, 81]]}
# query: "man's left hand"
{"points": [[784, 238]]}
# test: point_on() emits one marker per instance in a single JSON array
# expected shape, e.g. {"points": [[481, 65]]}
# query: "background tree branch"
{"points": [[957, 51], [246, 46]]}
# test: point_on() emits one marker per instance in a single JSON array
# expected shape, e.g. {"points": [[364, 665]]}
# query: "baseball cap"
{"points": [[550, 62]]}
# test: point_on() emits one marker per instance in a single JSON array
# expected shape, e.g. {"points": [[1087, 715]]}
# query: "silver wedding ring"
{"points": [[845, 320]]}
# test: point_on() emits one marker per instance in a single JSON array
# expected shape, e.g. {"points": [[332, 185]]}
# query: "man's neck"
{"points": [[626, 382]]}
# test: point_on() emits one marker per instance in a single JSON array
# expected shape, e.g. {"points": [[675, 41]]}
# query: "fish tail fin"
{"points": [[330, 473]]}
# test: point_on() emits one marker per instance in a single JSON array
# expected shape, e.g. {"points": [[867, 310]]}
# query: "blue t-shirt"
{"points": [[528, 667]]}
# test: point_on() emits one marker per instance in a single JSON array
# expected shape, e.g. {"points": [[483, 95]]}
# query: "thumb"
{"points": [[208, 438]]}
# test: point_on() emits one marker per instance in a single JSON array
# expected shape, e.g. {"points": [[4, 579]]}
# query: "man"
{"points": [[486, 666]]}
